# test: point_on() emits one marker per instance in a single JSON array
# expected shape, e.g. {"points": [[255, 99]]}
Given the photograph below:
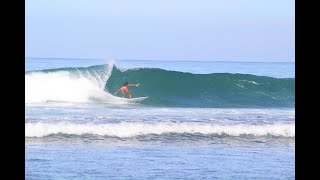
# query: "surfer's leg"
{"points": [[128, 92], [122, 92]]}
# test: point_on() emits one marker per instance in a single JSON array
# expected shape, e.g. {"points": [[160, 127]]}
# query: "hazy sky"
{"points": [[235, 30]]}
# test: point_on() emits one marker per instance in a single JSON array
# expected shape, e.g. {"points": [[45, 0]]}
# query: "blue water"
{"points": [[76, 129], [91, 161]]}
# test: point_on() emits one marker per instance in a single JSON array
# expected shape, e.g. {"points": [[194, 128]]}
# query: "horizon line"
{"points": [[71, 58]]}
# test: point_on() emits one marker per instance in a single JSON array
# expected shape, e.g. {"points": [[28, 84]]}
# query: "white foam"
{"points": [[135, 129], [58, 86], [252, 82], [63, 86]]}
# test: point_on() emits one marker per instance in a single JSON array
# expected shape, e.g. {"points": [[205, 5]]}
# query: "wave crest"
{"points": [[125, 130]]}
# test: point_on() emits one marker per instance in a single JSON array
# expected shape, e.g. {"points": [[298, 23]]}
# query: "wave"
{"points": [[164, 88], [126, 129]]}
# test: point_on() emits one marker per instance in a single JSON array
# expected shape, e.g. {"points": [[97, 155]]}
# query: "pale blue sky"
{"points": [[217, 30]]}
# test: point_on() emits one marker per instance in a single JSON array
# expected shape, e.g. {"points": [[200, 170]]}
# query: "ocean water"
{"points": [[200, 120]]}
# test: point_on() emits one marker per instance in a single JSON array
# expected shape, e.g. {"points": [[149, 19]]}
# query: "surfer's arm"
{"points": [[117, 91], [133, 85]]}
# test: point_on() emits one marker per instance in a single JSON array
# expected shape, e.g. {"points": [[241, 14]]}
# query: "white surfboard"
{"points": [[132, 100], [137, 99]]}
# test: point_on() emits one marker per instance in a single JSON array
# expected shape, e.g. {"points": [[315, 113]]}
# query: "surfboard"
{"points": [[137, 99]]}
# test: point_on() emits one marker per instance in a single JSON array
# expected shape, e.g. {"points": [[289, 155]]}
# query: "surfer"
{"points": [[124, 88]]}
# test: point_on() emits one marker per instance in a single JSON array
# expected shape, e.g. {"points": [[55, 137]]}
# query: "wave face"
{"points": [[164, 88], [126, 129], [171, 88]]}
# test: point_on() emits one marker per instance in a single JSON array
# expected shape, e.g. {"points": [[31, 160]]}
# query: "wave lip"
{"points": [[126, 130]]}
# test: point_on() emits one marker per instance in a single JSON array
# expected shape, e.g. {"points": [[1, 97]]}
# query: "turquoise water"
{"points": [[201, 120]]}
